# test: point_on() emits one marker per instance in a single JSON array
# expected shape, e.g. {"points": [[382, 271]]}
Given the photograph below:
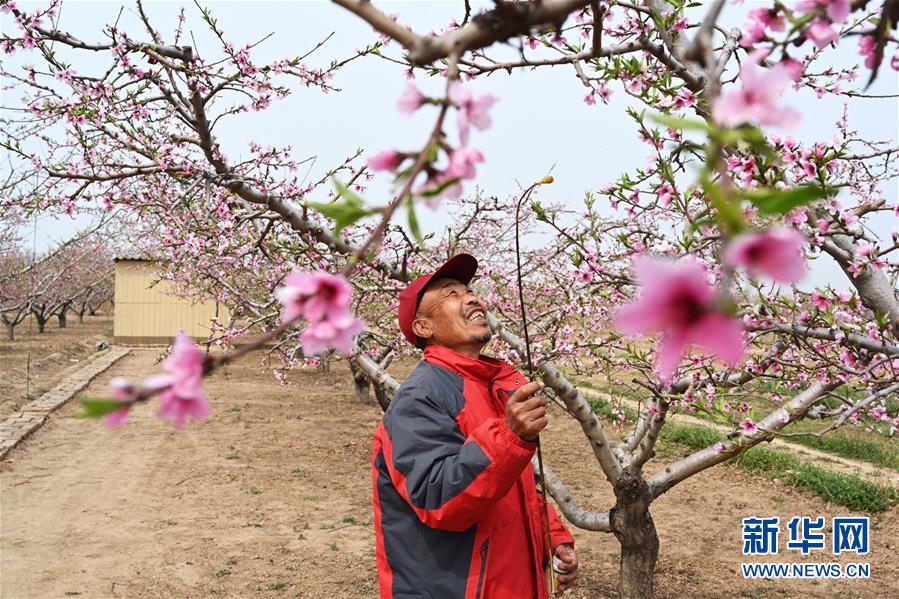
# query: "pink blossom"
{"points": [[848, 217], [590, 99], [411, 100], [771, 19], [472, 111], [316, 296], [121, 389], [604, 92], [684, 99], [677, 302], [462, 162], [776, 253], [183, 396], [879, 414], [749, 427], [756, 100], [821, 33], [761, 19], [837, 10], [847, 358], [809, 168], [793, 67], [719, 447], [819, 301], [385, 160], [666, 194], [866, 47], [789, 156], [337, 333], [323, 300]]}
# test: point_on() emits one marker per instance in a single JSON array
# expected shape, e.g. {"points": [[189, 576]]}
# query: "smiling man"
{"points": [[457, 512]]}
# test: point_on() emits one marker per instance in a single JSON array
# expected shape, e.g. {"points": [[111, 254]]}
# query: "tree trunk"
{"points": [[324, 360], [633, 526], [382, 396], [40, 324], [62, 319], [361, 382], [10, 331], [81, 317]]}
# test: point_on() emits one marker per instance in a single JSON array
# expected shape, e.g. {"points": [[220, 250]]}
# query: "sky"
{"points": [[540, 123]]}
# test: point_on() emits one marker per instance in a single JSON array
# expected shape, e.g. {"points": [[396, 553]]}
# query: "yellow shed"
{"points": [[147, 311]]}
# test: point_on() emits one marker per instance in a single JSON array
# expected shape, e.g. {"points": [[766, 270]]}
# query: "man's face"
{"points": [[451, 315]]}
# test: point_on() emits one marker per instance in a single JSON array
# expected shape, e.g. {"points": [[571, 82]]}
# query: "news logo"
{"points": [[806, 535]]}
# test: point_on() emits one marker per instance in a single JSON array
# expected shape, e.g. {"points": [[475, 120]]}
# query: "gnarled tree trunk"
{"points": [[632, 525], [361, 383]]}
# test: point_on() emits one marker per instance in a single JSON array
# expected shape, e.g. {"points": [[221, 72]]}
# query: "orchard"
{"points": [[737, 274]]}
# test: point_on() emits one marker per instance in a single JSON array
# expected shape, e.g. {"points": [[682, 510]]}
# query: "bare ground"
{"points": [[52, 356], [271, 497]]}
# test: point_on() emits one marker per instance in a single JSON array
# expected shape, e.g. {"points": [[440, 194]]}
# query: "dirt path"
{"points": [[829, 461], [271, 497]]}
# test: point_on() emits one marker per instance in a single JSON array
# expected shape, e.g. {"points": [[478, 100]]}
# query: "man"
{"points": [[457, 513]]}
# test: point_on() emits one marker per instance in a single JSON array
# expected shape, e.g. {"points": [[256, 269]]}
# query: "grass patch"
{"points": [[776, 463], [850, 491], [233, 454], [872, 448], [603, 407], [693, 436], [852, 447]]}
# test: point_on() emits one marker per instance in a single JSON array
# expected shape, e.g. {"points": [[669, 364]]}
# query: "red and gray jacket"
{"points": [[457, 513]]}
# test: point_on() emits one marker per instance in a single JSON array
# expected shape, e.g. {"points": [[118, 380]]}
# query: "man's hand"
{"points": [[525, 412], [566, 553]]}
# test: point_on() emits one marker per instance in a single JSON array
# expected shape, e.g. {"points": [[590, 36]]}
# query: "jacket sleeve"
{"points": [[449, 480], [558, 533]]}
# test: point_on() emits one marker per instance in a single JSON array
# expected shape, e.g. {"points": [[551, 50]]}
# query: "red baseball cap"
{"points": [[460, 267]]}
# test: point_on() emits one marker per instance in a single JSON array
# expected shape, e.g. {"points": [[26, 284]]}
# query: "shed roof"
{"points": [[134, 255]]}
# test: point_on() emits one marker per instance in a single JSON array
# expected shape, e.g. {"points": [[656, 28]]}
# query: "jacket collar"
{"points": [[484, 368]]}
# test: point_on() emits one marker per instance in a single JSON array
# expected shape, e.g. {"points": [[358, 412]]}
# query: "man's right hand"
{"points": [[526, 412]]}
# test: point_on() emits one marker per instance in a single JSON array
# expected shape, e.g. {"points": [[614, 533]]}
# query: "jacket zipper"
{"points": [[484, 548]]}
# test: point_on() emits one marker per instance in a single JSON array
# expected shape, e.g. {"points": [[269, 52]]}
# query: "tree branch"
{"points": [[573, 512], [708, 457], [507, 20]]}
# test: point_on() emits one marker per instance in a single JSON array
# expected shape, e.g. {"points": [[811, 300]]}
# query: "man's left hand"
{"points": [[566, 553]]}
